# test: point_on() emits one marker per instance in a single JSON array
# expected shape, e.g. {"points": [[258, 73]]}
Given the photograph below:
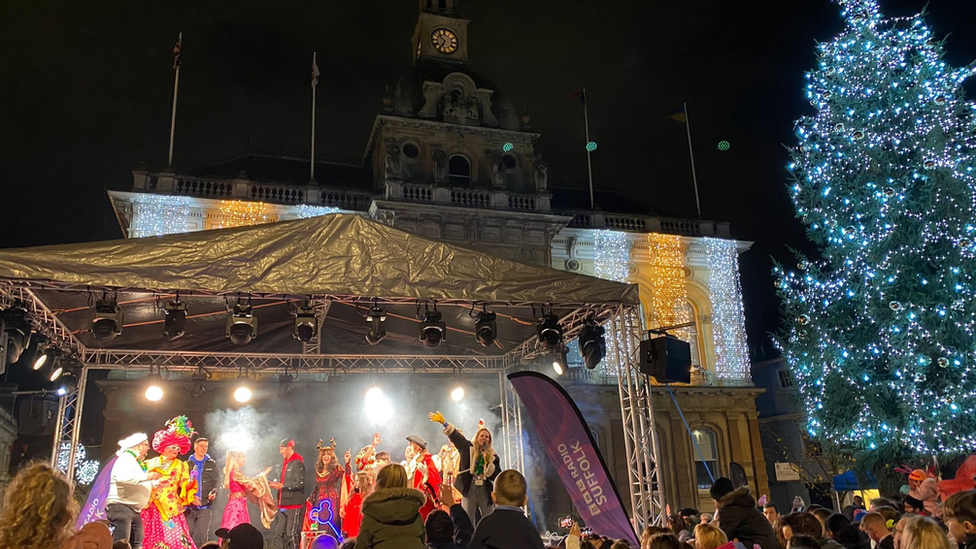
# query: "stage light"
{"points": [[486, 329], [154, 391], [107, 322], [377, 406], [457, 394], [560, 361], [432, 330], [305, 324], [242, 325], [43, 358], [592, 344], [56, 372], [242, 394], [550, 332], [376, 318], [284, 384], [67, 384], [174, 324], [199, 384], [16, 333]]}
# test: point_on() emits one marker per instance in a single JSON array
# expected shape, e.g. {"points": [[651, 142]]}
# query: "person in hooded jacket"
{"points": [[391, 514], [739, 517]]}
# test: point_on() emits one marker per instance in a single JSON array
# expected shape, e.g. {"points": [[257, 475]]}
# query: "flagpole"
{"points": [[314, 86], [589, 163], [176, 87], [691, 153]]}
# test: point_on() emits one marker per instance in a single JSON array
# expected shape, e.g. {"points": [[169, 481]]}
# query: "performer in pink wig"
{"points": [[165, 525]]}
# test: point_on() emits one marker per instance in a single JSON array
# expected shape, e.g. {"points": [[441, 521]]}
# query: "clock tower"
{"points": [[440, 35]]}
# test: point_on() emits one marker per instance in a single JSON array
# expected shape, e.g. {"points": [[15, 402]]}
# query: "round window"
{"points": [[509, 161], [411, 151]]}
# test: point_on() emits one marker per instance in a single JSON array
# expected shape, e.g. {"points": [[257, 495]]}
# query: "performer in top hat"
{"points": [[286, 526], [423, 472], [477, 468]]}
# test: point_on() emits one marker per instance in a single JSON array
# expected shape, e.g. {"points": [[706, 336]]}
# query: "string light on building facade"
{"points": [[156, 215], [611, 261], [304, 211], [728, 314], [669, 295], [241, 213]]}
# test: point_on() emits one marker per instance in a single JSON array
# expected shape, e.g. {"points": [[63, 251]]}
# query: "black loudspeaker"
{"points": [[667, 359], [37, 416]]}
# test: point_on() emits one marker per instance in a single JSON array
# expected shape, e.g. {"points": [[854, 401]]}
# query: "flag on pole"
{"points": [[579, 96], [315, 71], [176, 51], [678, 115]]}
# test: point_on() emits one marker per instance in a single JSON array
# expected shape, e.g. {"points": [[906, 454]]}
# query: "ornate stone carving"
{"points": [[497, 173], [392, 159], [440, 166], [541, 173]]}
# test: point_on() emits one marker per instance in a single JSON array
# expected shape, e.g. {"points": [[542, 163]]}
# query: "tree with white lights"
{"points": [[880, 332]]}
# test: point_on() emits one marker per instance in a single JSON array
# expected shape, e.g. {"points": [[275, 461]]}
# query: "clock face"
{"points": [[444, 40]]}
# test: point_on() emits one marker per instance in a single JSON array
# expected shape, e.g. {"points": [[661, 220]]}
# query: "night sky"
{"points": [[85, 94]]}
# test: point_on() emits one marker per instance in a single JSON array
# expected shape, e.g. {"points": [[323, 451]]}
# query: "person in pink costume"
{"points": [[165, 525]]}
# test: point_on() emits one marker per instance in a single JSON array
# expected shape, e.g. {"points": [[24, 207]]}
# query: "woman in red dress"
{"points": [[322, 508], [352, 511]]}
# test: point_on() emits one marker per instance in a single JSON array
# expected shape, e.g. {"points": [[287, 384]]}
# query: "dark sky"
{"points": [[85, 94]]}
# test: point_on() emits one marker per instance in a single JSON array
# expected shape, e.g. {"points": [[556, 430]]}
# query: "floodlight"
{"points": [[66, 384], [242, 394], [376, 318], [377, 407], [457, 394], [174, 325], [284, 384], [432, 329], [486, 329], [550, 332], [305, 324], [560, 361], [43, 358], [107, 320], [242, 325], [592, 345], [154, 390]]}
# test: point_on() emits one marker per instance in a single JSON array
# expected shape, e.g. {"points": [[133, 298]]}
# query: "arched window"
{"points": [[705, 439], [691, 333], [459, 171]]}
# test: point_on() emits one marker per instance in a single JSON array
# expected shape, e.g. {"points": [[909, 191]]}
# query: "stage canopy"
{"points": [[343, 260]]}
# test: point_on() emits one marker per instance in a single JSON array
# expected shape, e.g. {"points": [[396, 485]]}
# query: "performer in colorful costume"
{"points": [[244, 488], [423, 472], [322, 508], [352, 508], [165, 525]]}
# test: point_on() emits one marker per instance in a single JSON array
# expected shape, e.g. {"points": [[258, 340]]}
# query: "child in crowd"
{"points": [[959, 512], [507, 526]]}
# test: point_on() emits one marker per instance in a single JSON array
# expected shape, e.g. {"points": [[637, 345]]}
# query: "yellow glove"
{"points": [[436, 417]]}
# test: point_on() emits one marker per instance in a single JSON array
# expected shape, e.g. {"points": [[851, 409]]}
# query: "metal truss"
{"points": [[572, 323], [192, 361], [42, 319], [637, 410], [321, 307], [511, 425], [68, 427]]}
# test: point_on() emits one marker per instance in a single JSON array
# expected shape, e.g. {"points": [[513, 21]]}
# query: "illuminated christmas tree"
{"points": [[880, 332]]}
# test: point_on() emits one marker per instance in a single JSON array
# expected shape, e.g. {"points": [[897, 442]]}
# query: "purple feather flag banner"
{"points": [[575, 456], [94, 508]]}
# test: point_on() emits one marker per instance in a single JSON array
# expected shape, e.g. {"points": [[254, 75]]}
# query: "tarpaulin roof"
{"points": [[339, 254]]}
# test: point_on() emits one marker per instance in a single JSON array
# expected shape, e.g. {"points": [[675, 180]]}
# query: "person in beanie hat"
{"points": [[925, 489], [165, 524], [739, 517]]}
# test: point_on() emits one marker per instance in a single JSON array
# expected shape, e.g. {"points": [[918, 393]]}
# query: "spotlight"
{"points": [[377, 407], [43, 358], [242, 394], [486, 329], [284, 384], [66, 385], [242, 325], [154, 391], [592, 345], [56, 372], [107, 322], [376, 318], [550, 332], [175, 322], [560, 362], [305, 324], [457, 394], [199, 384], [432, 330], [16, 333]]}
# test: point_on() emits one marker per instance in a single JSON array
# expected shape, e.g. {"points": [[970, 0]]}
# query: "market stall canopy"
{"points": [[339, 254]]}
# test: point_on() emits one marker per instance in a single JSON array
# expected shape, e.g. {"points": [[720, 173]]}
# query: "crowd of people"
{"points": [[459, 499]]}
